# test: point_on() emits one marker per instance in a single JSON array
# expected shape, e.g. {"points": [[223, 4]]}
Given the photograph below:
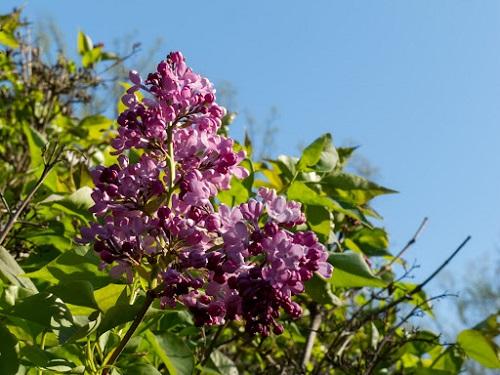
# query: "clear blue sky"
{"points": [[415, 83]]}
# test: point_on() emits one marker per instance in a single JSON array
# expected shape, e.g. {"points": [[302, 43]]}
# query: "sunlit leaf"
{"points": [[84, 43], [351, 270], [479, 348], [319, 155], [11, 271], [8, 40], [351, 188], [372, 242]]}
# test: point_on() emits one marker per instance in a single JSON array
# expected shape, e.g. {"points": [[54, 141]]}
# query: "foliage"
{"points": [[60, 312]]}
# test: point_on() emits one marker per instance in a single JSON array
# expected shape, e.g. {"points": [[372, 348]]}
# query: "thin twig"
{"points": [[392, 331], [354, 324], [4, 201], [10, 224], [409, 244]]}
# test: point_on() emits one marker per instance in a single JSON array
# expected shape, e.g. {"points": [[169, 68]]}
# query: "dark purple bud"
{"points": [[134, 77], [106, 256], [271, 228], [220, 278], [109, 175], [255, 248], [100, 246], [111, 189], [216, 309], [163, 212], [128, 247], [256, 236], [278, 329], [197, 283], [214, 260], [255, 273], [232, 282]]}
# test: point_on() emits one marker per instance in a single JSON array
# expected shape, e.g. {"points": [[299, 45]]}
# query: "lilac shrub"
{"points": [[161, 213]]}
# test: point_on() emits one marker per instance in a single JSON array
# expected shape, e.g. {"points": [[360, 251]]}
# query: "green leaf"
{"points": [[89, 58], [237, 194], [63, 366], [8, 40], [223, 364], [43, 308], [11, 271], [247, 143], [351, 270], [12, 293], [173, 352], [300, 192], [431, 371], [320, 155], [36, 145], [372, 242], [141, 369], [95, 126], [8, 356], [479, 348], [122, 312], [489, 327], [352, 189], [77, 292], [84, 43], [76, 204], [50, 312], [345, 154], [70, 266], [451, 360], [111, 295], [318, 218], [319, 289]]}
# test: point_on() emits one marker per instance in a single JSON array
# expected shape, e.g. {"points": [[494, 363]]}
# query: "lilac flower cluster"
{"points": [[161, 212]]}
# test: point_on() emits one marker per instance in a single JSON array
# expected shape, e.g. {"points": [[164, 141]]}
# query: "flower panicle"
{"points": [[222, 263]]}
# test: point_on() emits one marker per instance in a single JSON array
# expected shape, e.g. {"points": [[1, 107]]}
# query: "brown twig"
{"points": [[150, 296], [392, 331], [354, 324], [409, 244]]}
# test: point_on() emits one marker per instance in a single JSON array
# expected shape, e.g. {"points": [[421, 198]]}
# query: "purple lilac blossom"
{"points": [[222, 263]]}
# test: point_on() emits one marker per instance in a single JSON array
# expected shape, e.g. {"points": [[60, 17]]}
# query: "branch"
{"points": [[420, 286], [53, 160], [352, 324], [316, 318], [392, 331], [212, 345], [409, 244], [150, 297]]}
